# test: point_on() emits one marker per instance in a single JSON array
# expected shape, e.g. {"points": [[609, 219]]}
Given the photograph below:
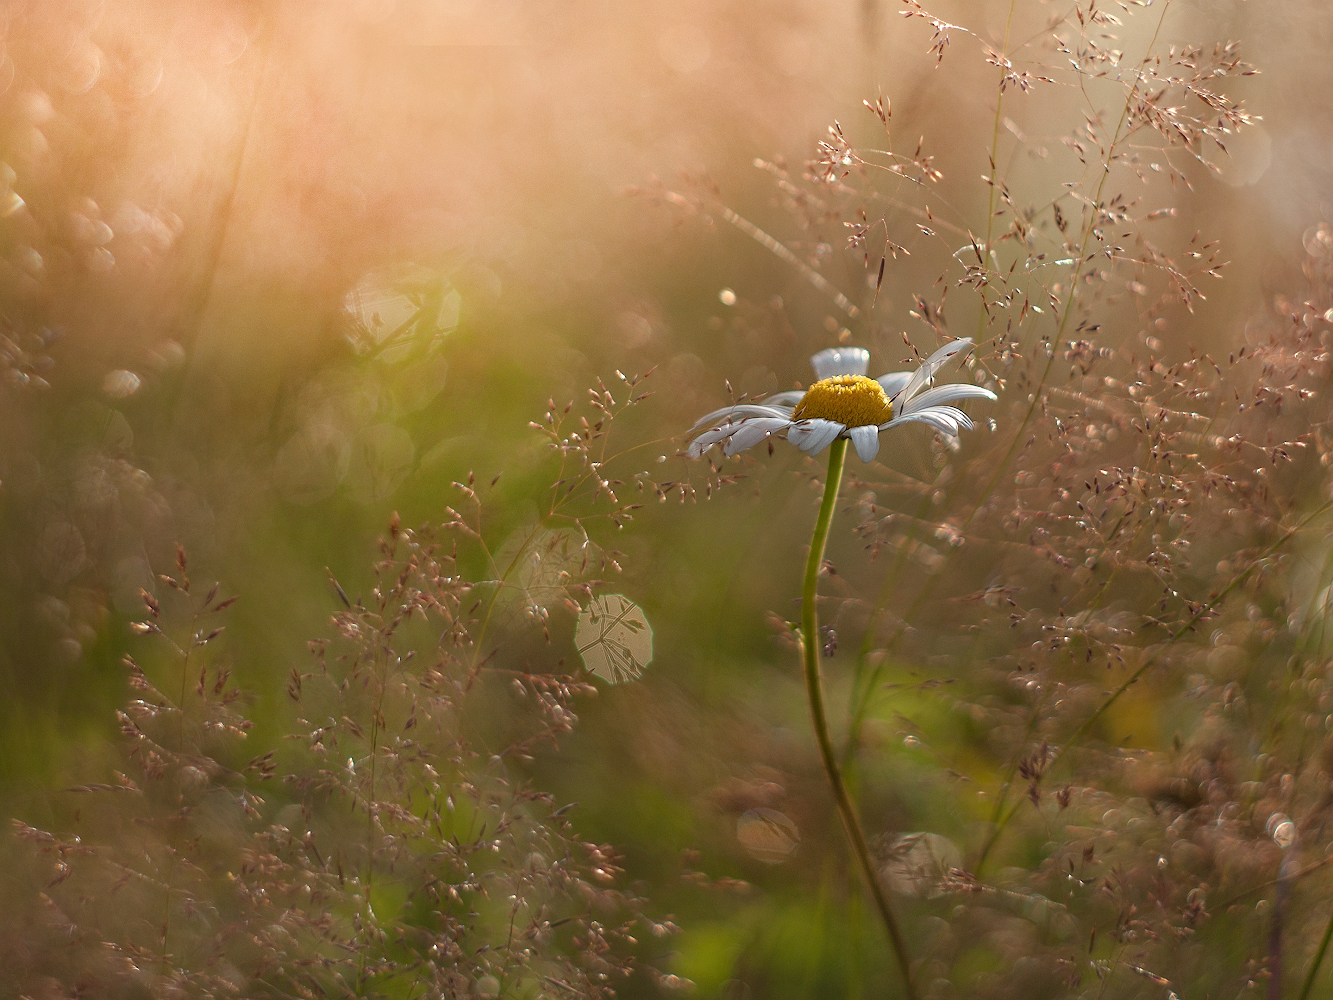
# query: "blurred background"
{"points": [[272, 271]]}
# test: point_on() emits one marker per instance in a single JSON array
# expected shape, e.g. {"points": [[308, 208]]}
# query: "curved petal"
{"points": [[740, 411], [788, 398], [752, 432], [948, 420], [707, 439], [959, 417], [841, 361], [813, 436], [930, 366], [866, 441], [893, 382], [940, 422], [945, 394]]}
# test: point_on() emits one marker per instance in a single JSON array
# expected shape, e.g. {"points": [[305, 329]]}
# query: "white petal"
{"points": [[707, 439], [814, 435], [866, 440], [940, 423], [893, 382], [948, 420], [752, 432], [789, 398], [841, 361], [734, 414], [922, 376], [960, 418], [945, 394]]}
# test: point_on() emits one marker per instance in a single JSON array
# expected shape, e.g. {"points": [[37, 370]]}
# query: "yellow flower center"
{"points": [[850, 400]]}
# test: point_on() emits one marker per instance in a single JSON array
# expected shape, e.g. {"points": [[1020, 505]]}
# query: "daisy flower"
{"points": [[843, 403]]}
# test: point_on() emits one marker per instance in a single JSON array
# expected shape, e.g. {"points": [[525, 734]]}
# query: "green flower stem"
{"points": [[814, 689]]}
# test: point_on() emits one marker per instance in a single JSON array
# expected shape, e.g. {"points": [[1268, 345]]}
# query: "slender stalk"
{"points": [[814, 689], [382, 682], [1106, 979], [994, 154], [1286, 874], [180, 799], [1318, 958]]}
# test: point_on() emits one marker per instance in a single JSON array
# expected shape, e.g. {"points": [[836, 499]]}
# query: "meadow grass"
{"points": [[1073, 671]]}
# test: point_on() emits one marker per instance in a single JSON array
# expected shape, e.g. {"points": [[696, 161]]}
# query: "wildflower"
{"points": [[844, 403]]}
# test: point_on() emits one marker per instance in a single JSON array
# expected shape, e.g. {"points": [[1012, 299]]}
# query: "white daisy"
{"points": [[843, 403]]}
